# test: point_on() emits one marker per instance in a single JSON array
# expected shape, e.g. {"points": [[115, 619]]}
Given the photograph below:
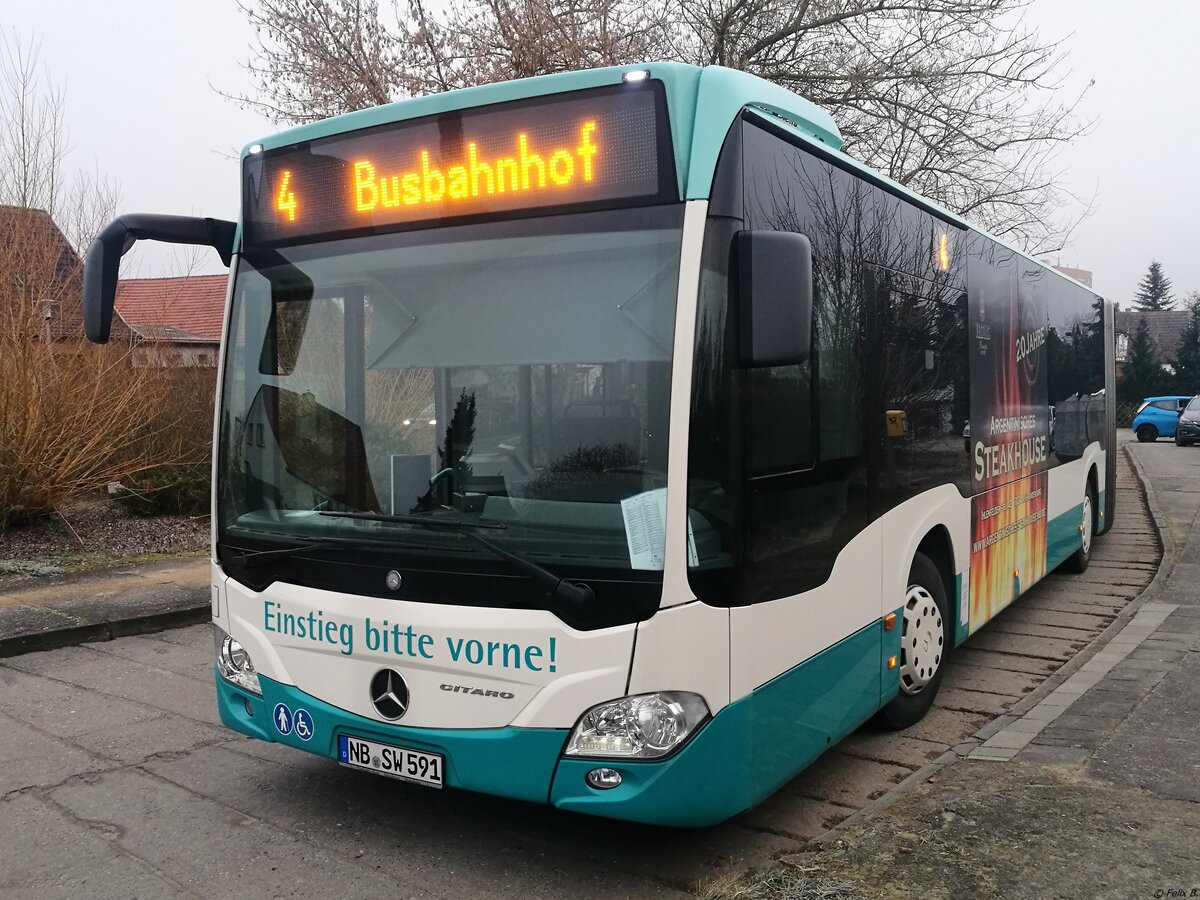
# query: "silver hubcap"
{"points": [[1086, 525], [921, 643]]}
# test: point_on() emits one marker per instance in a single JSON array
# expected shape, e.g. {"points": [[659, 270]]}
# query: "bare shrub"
{"points": [[72, 416]]}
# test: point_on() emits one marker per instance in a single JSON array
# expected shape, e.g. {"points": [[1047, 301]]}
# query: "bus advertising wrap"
{"points": [[1009, 432]]}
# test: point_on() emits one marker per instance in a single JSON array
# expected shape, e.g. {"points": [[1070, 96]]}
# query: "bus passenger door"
{"points": [[808, 642]]}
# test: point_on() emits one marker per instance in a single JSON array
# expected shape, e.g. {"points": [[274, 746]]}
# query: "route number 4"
{"points": [[285, 200]]}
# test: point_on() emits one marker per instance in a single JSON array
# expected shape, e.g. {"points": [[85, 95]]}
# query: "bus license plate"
{"points": [[385, 759]]}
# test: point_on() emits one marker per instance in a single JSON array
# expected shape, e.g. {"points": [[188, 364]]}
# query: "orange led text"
{"points": [[525, 170], [285, 200]]}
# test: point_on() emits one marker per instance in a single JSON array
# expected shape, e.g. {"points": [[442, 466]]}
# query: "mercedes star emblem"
{"points": [[389, 694], [393, 580]]}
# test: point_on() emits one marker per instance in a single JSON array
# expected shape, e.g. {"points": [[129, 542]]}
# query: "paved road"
{"points": [[116, 778]]}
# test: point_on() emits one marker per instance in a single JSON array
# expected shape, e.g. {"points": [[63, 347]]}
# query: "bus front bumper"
{"points": [[521, 763]]}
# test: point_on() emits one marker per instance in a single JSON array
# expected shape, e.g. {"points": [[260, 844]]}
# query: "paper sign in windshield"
{"points": [[645, 518]]}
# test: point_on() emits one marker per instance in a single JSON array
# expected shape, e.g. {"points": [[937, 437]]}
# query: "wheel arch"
{"points": [[938, 546], [936, 523], [1093, 483]]}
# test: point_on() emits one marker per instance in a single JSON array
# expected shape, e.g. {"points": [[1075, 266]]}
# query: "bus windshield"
{"points": [[513, 374]]}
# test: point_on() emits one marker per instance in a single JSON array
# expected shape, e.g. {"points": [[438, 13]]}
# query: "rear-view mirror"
{"points": [[103, 261], [771, 276]]}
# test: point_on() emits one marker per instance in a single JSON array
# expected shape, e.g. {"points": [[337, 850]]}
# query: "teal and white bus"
{"points": [[598, 439]]}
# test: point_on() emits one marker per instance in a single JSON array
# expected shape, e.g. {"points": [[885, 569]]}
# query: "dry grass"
{"points": [[781, 883]]}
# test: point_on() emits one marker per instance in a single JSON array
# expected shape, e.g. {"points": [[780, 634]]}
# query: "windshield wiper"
{"points": [[250, 559], [247, 559], [412, 520], [576, 595]]}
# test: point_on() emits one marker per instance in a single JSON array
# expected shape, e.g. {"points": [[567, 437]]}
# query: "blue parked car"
{"points": [[1158, 417]]}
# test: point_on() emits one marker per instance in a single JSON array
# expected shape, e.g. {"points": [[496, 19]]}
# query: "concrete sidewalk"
{"points": [[69, 609], [1093, 791]]}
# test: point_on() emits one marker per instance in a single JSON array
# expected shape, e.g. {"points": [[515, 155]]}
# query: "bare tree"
{"points": [[502, 39], [32, 135], [34, 144], [318, 58], [72, 416], [957, 99]]}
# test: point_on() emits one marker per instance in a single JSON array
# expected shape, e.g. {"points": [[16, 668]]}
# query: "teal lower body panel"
{"points": [[508, 762], [747, 751], [737, 759], [956, 607], [1062, 536]]}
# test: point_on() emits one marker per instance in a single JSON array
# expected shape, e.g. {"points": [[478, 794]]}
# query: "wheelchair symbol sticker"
{"points": [[302, 723]]}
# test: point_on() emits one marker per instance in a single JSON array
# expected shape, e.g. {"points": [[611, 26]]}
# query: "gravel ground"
{"points": [[95, 534]]}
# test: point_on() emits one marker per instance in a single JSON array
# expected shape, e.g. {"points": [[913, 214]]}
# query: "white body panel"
{"points": [[587, 668], [1067, 481], [767, 639], [220, 601], [868, 581], [675, 584], [684, 648]]}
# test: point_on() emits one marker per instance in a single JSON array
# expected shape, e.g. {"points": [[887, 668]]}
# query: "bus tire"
{"points": [[923, 646], [1078, 561]]}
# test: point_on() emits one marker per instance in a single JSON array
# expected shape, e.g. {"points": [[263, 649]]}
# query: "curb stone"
{"points": [[104, 605], [71, 635]]}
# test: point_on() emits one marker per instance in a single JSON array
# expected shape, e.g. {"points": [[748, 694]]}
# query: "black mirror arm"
{"points": [[215, 233], [103, 260]]}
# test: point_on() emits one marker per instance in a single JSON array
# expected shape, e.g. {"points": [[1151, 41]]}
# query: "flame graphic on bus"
{"points": [[1008, 522], [1008, 545]]}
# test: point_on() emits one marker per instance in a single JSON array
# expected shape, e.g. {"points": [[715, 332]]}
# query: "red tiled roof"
{"points": [[34, 227], [158, 308], [34, 252]]}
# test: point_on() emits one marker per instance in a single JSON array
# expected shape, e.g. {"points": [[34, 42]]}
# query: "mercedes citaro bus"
{"points": [[596, 438]]}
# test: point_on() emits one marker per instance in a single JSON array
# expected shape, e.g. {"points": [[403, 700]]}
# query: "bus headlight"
{"points": [[234, 663], [647, 726]]}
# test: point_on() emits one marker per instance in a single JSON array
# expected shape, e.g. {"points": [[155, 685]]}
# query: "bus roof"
{"points": [[702, 103]]}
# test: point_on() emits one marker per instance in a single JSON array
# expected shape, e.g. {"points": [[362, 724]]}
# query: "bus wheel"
{"points": [[1078, 561], [924, 643]]}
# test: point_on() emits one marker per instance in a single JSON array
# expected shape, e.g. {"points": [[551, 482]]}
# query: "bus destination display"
{"points": [[588, 147]]}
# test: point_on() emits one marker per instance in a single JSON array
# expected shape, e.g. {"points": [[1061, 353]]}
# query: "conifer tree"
{"points": [[1187, 357], [1143, 375], [1154, 290]]}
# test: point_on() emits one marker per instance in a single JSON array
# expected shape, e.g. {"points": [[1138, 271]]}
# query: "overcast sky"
{"points": [[141, 108]]}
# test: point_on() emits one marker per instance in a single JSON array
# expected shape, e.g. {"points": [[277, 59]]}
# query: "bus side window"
{"points": [[779, 419], [805, 484]]}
